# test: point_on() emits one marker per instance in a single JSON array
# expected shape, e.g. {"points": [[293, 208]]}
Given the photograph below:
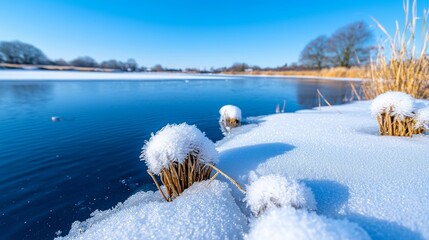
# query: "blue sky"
{"points": [[184, 33]]}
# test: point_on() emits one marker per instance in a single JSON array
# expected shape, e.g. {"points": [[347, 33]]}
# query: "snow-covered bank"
{"points": [[75, 75], [295, 76], [373, 182], [379, 182], [202, 212]]}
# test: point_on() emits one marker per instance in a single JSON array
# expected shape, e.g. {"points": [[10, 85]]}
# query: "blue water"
{"points": [[53, 173]]}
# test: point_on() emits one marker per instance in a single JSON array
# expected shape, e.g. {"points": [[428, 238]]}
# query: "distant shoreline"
{"points": [[294, 76], [17, 75]]}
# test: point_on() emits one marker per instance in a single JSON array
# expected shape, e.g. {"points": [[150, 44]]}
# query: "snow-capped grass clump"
{"points": [[201, 212], [274, 191], [230, 115], [396, 104], [181, 154], [173, 143], [289, 223], [422, 119], [394, 112]]}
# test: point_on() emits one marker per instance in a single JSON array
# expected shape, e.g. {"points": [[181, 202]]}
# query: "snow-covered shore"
{"points": [[76, 75], [379, 183], [295, 76]]}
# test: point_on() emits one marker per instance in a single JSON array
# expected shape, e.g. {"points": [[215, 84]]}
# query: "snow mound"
{"points": [[422, 118], [201, 212], [289, 223], [397, 104], [173, 143], [271, 191], [230, 111]]}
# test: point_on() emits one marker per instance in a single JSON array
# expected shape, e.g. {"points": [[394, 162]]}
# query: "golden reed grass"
{"points": [[394, 126], [336, 72], [403, 67], [180, 176], [232, 122]]}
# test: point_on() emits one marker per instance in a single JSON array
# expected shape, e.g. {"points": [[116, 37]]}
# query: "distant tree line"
{"points": [[349, 46], [17, 52]]}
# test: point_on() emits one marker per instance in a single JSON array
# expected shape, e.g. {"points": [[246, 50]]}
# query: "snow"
{"points": [[201, 212], [358, 178], [230, 111], [76, 75], [288, 223], [173, 143], [295, 76], [396, 103], [378, 182], [422, 118], [273, 191]]}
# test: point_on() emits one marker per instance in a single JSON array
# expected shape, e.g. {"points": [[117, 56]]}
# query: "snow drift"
{"points": [[289, 223], [201, 212], [272, 191]]}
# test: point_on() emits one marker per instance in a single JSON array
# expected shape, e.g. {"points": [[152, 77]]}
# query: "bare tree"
{"points": [[238, 67], [112, 64], [60, 62], [131, 65], [2, 57], [22, 53], [157, 68], [349, 45], [315, 53], [84, 62]]}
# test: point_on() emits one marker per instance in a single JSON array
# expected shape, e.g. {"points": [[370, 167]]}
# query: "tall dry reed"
{"points": [[402, 65]]}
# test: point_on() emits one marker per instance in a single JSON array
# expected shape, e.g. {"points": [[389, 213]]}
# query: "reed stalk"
{"points": [[395, 126], [180, 176], [402, 65]]}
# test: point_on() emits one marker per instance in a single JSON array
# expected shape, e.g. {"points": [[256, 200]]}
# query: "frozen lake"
{"points": [[52, 173]]}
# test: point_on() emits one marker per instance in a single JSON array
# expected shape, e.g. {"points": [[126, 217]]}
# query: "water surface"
{"points": [[53, 173]]}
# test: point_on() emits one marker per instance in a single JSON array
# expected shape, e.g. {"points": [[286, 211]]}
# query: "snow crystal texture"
{"points": [[422, 118], [288, 223], [230, 111], [201, 212], [380, 183], [272, 191], [173, 143], [397, 104]]}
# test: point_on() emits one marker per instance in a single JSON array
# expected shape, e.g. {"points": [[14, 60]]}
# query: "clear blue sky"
{"points": [[185, 33]]}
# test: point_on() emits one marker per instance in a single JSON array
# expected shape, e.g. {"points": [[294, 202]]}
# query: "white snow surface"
{"points": [[378, 182], [76, 75], [397, 104], [230, 111], [273, 191], [422, 118], [291, 224], [173, 143], [201, 212]]}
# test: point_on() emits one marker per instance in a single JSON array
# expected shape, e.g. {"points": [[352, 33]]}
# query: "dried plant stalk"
{"points": [[404, 66], [232, 122], [178, 177], [394, 126]]}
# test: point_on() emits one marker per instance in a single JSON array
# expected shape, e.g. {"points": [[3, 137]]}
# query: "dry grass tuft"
{"points": [[402, 67], [178, 177], [394, 126]]}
